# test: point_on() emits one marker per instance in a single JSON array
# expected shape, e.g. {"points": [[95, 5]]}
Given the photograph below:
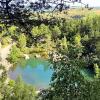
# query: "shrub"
{"points": [[5, 41], [15, 54], [22, 41]]}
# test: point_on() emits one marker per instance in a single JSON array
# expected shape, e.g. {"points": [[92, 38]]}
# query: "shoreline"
{"points": [[4, 53]]}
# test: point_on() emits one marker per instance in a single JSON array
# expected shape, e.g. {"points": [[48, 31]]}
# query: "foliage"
{"points": [[3, 75], [97, 70], [78, 39], [12, 29], [44, 29], [40, 31], [77, 43], [62, 45], [69, 84], [98, 46], [56, 32], [22, 41], [15, 54], [17, 90], [35, 31], [5, 41]]}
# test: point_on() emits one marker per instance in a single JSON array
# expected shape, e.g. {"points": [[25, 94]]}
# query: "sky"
{"points": [[93, 3]]}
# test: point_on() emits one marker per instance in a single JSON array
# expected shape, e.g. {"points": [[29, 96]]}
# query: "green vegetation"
{"points": [[16, 90], [12, 30], [68, 83], [15, 54], [22, 41], [82, 42], [5, 41], [71, 45]]}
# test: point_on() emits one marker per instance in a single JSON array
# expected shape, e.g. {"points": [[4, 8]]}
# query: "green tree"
{"points": [[35, 31], [5, 41], [17, 90], [69, 84], [98, 46], [56, 32], [44, 29], [15, 54], [77, 39], [12, 29], [64, 44], [97, 70], [22, 41]]}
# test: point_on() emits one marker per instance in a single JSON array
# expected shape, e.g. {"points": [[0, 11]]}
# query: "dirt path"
{"points": [[4, 52]]}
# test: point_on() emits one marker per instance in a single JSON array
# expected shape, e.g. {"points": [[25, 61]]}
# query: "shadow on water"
{"points": [[36, 72], [88, 74]]}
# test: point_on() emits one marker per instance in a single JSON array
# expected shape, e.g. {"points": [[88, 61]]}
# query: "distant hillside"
{"points": [[71, 13]]}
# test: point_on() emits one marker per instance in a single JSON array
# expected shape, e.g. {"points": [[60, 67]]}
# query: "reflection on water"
{"points": [[33, 71]]}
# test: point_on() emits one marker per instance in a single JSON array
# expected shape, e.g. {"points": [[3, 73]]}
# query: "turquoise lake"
{"points": [[36, 72]]}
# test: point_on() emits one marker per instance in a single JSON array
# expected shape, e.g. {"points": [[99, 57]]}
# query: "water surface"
{"points": [[88, 74], [36, 72]]}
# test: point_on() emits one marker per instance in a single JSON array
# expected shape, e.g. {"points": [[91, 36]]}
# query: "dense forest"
{"points": [[70, 44], [76, 44]]}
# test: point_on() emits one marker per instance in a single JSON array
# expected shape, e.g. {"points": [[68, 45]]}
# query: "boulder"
{"points": [[26, 56]]}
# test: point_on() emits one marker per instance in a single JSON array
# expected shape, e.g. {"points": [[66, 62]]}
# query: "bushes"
{"points": [[12, 29], [44, 29], [17, 90], [56, 32], [82, 40], [21, 41], [77, 43], [35, 31], [77, 39], [5, 41], [15, 54], [40, 30]]}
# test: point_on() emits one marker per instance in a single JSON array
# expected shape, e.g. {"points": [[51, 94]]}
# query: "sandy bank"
{"points": [[4, 52]]}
